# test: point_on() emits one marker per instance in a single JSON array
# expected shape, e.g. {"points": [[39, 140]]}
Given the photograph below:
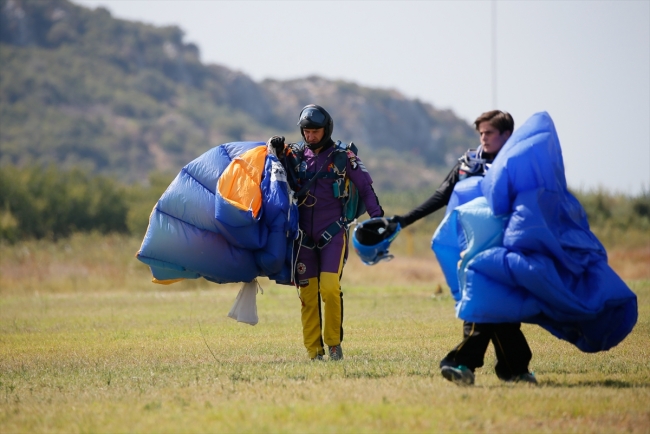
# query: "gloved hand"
{"points": [[398, 219], [277, 143]]}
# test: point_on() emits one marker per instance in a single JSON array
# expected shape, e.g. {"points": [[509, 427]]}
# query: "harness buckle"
{"points": [[327, 236]]}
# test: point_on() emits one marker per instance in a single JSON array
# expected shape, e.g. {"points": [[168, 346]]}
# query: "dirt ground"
{"points": [[631, 264]]}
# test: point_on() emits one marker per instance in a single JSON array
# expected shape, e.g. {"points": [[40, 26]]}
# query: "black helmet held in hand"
{"points": [[314, 117], [372, 238]]}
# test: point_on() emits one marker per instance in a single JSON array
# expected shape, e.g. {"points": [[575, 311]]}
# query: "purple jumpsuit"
{"points": [[318, 271]]}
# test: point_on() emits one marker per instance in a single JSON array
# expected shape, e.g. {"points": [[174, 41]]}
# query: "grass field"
{"points": [[87, 344]]}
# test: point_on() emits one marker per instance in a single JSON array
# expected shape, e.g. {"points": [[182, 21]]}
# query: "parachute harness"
{"points": [[344, 189], [472, 163]]}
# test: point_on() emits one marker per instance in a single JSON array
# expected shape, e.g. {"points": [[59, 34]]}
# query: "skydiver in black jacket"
{"points": [[512, 351]]}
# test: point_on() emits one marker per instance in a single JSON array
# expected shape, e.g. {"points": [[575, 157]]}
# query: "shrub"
{"points": [[41, 202]]}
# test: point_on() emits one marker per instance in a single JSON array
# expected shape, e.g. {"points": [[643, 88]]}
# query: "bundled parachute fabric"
{"points": [[519, 249], [228, 217]]}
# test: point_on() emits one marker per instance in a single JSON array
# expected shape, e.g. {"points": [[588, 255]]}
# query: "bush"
{"points": [[47, 202], [618, 211], [37, 202], [142, 199]]}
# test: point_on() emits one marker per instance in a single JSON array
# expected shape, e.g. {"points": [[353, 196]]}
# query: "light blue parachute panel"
{"points": [[452, 241], [544, 266], [465, 191], [458, 240], [447, 243], [185, 239]]}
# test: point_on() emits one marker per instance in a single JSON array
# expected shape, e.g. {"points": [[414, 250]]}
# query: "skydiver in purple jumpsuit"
{"points": [[318, 269]]}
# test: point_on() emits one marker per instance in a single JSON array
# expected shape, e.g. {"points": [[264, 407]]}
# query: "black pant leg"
{"points": [[470, 352], [512, 350]]}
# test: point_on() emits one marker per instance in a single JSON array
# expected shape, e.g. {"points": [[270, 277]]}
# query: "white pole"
{"points": [[494, 54]]}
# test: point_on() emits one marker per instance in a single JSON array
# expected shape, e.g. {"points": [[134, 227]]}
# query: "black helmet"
{"points": [[313, 117]]}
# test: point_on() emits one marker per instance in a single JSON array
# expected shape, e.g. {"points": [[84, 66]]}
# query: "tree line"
{"points": [[80, 88], [50, 202]]}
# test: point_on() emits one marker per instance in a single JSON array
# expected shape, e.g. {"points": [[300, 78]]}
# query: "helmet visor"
{"points": [[311, 117]]}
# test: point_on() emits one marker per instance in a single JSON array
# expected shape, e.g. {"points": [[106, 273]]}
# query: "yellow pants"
{"points": [[330, 292]]}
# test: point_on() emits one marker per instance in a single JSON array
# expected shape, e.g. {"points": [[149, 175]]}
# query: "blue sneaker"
{"points": [[460, 375]]}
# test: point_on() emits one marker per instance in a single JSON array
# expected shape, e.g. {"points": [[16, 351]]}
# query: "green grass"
{"points": [[88, 345]]}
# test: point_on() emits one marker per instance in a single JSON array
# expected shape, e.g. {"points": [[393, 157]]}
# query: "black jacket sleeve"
{"points": [[439, 199]]}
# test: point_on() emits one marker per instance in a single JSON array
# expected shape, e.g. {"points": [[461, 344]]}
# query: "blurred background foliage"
{"points": [[98, 115], [81, 89], [52, 203]]}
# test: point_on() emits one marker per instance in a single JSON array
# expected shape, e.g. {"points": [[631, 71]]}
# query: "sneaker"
{"points": [[528, 377], [318, 357], [460, 375], [336, 352]]}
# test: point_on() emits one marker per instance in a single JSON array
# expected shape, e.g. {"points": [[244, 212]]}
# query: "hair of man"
{"points": [[500, 120]]}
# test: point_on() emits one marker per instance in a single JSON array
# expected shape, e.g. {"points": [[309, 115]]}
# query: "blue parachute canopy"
{"points": [[516, 247], [228, 217]]}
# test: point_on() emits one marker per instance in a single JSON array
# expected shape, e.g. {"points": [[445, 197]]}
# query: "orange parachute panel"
{"points": [[240, 183]]}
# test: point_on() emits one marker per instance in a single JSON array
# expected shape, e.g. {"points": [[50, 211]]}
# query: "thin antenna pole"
{"points": [[494, 54]]}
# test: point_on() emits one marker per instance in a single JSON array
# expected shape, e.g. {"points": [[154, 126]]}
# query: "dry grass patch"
{"points": [[138, 362], [88, 344]]}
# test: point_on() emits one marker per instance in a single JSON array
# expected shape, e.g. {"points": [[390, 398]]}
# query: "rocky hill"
{"points": [[81, 88]]}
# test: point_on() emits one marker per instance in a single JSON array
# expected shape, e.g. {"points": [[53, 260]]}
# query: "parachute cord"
{"points": [[291, 202], [294, 262], [305, 200], [206, 342]]}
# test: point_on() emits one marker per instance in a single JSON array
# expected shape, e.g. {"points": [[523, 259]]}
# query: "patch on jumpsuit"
{"points": [[353, 160], [301, 268]]}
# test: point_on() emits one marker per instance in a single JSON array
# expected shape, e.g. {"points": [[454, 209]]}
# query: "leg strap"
{"points": [[329, 233]]}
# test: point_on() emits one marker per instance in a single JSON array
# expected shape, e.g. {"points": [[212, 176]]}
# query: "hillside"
{"points": [[79, 88]]}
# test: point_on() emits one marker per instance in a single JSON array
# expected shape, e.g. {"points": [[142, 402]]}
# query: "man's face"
{"points": [[491, 140], [313, 136]]}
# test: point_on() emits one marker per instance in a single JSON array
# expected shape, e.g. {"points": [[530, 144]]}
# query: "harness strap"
{"points": [[307, 242], [305, 188], [329, 233]]}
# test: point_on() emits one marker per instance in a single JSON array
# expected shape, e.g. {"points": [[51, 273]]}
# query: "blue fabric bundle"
{"points": [[519, 248], [196, 232]]}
